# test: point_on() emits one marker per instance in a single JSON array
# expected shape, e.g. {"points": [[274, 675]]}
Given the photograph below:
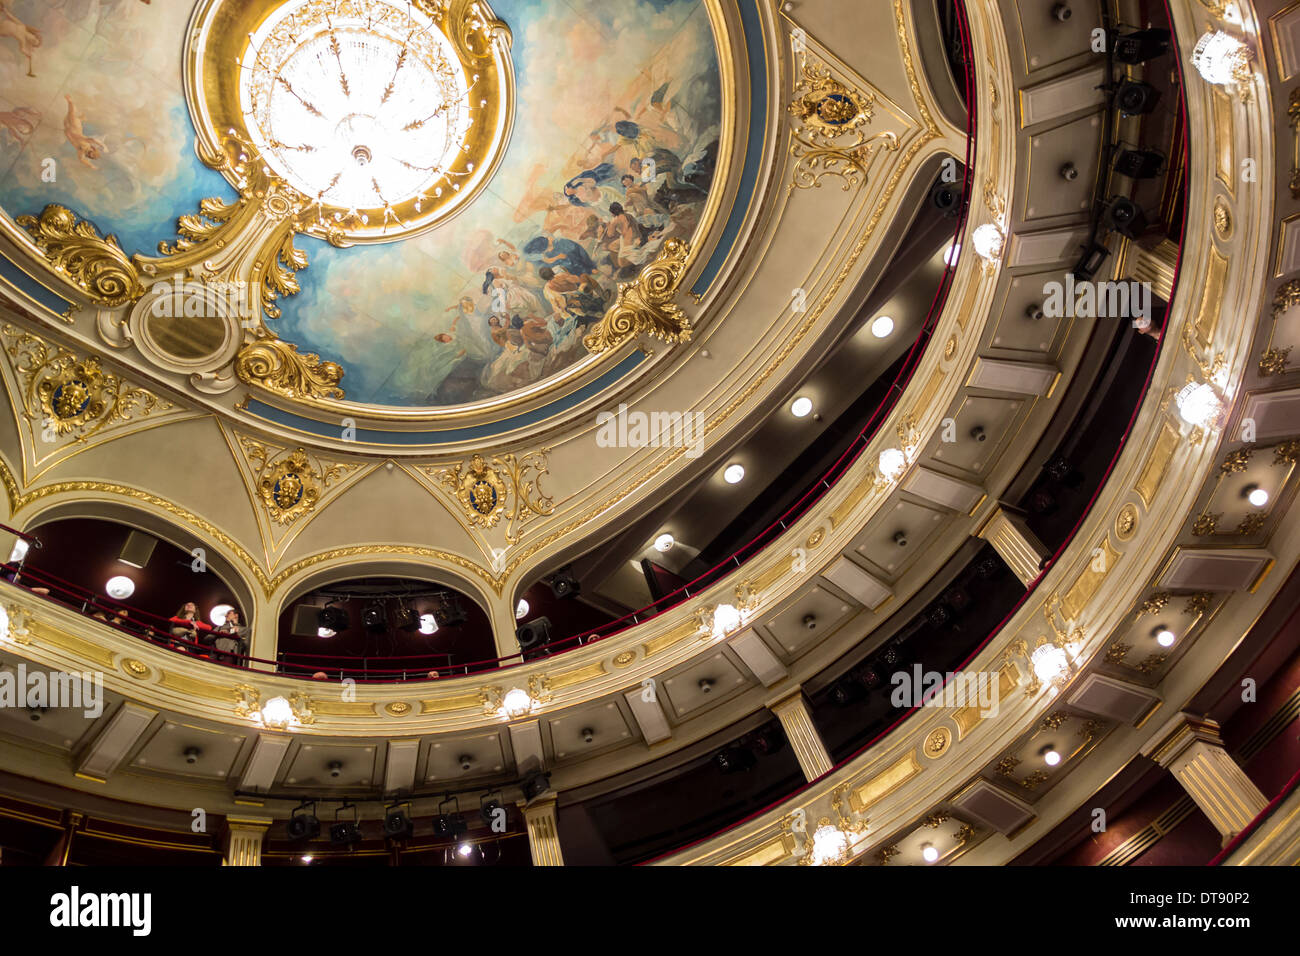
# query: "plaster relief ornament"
{"points": [[505, 487]]}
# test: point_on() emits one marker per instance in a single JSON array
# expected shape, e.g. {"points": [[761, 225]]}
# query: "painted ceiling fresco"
{"points": [[618, 112]]}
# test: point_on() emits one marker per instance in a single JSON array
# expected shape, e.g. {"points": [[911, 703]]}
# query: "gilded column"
{"points": [[1190, 748], [1154, 266], [244, 840], [1011, 538], [543, 835], [792, 710]]}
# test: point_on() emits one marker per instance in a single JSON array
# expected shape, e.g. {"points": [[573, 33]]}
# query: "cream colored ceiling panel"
{"points": [[702, 685], [465, 757], [807, 619], [590, 730]]}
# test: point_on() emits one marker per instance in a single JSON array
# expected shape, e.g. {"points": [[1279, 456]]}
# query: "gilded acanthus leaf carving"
{"points": [[644, 305], [506, 486], [95, 264]]}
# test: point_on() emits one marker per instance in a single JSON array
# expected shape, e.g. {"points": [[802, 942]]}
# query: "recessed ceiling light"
{"points": [[801, 406], [1051, 758], [1257, 496], [1166, 637], [882, 326], [119, 587], [929, 853], [734, 474], [218, 614], [665, 542], [521, 610]]}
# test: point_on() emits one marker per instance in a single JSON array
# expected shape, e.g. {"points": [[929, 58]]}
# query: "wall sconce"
{"points": [[1222, 59]]}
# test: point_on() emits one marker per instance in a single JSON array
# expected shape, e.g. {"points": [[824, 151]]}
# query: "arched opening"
{"points": [[126, 577], [383, 628]]}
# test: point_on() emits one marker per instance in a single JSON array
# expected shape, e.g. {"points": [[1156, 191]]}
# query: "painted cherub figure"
{"points": [[27, 38], [88, 147]]}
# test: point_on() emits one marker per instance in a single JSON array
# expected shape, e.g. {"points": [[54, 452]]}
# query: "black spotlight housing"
{"points": [[333, 618], [345, 832], [397, 823], [405, 618], [564, 584], [453, 613], [1126, 217], [1135, 98], [375, 619], [303, 825], [735, 759], [1140, 163], [535, 786], [1091, 260], [487, 809], [947, 198], [1141, 45], [449, 826], [533, 633]]}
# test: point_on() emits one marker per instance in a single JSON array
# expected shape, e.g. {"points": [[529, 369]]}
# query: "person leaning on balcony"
{"points": [[228, 640], [186, 626]]}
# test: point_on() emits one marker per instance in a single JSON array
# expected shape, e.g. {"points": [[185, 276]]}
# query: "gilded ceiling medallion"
{"points": [[289, 484], [381, 117]]}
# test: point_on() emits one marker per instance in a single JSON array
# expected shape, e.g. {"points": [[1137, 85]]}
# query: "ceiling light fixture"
{"points": [[664, 543], [1051, 757], [881, 326], [1222, 59], [1256, 495], [1198, 404], [119, 587], [1165, 637], [929, 853], [801, 406], [734, 474], [892, 464], [516, 703]]}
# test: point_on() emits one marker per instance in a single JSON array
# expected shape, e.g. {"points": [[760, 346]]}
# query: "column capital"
{"points": [[1179, 733]]}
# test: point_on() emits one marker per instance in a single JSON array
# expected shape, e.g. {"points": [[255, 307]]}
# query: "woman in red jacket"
{"points": [[186, 626]]}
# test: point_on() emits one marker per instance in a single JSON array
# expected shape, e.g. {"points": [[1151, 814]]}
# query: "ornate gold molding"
{"points": [[94, 264], [644, 306], [827, 136], [290, 483], [72, 396], [279, 367], [504, 486]]}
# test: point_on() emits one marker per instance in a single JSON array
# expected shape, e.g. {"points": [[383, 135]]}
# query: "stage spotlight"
{"points": [[345, 832], [333, 619], [487, 809], [303, 825], [405, 618], [374, 619], [1141, 45], [453, 614], [535, 786], [735, 759], [946, 197], [397, 823], [564, 584], [533, 633], [1140, 163], [1090, 262], [1125, 217], [1135, 98], [449, 826]]}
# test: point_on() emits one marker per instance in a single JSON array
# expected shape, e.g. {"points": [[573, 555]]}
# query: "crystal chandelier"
{"points": [[1222, 59], [358, 105]]}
